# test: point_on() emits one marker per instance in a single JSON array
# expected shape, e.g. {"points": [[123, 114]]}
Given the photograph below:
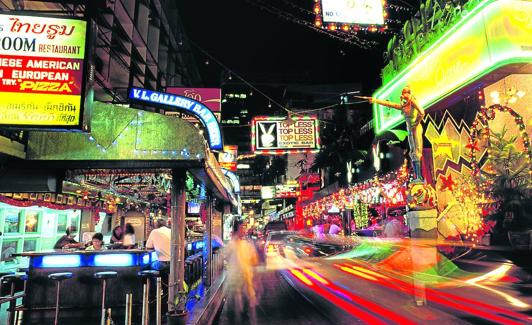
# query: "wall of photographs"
{"points": [[31, 229]]}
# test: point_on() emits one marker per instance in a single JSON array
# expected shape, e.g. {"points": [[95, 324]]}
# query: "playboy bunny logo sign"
{"points": [[268, 135], [278, 135]]}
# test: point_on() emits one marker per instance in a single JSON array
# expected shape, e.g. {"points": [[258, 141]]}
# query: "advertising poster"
{"points": [[41, 71], [210, 97], [298, 134], [227, 158]]}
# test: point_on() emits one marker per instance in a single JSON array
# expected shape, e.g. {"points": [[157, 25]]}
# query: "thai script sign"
{"points": [[187, 105], [42, 71], [279, 135]]}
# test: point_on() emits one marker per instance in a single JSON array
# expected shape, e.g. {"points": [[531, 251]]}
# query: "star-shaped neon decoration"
{"points": [[447, 182], [473, 146], [444, 146]]}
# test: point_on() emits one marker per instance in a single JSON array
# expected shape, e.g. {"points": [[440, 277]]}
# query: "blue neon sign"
{"points": [[188, 105], [57, 261]]}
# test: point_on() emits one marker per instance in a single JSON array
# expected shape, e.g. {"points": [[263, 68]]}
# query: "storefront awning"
{"points": [[121, 137]]}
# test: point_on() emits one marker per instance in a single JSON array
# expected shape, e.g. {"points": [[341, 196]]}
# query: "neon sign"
{"points": [[185, 104], [495, 34], [279, 135]]}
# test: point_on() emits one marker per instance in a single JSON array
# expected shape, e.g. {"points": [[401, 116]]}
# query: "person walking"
{"points": [[242, 259]]}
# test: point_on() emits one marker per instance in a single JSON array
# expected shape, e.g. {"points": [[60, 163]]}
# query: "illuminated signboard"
{"points": [[278, 135], [187, 105], [42, 79], [287, 190], [267, 192], [358, 12], [495, 34], [210, 97], [227, 158]]}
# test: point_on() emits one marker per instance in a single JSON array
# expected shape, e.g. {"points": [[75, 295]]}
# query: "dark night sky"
{"points": [[258, 44]]}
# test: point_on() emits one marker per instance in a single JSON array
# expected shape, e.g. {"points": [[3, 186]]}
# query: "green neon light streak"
{"points": [[495, 52]]}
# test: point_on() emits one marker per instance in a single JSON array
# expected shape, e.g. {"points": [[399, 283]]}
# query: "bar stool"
{"points": [[148, 275], [58, 277], [104, 276], [11, 279]]}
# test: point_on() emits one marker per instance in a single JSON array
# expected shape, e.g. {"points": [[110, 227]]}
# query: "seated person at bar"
{"points": [[67, 240], [118, 235], [129, 237], [96, 243], [159, 240]]}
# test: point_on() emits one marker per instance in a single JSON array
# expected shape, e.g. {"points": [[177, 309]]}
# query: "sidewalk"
{"points": [[205, 310]]}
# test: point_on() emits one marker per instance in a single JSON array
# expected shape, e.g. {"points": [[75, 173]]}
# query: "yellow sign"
{"points": [[42, 65]]}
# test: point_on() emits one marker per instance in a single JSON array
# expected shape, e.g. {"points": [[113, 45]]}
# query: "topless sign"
{"points": [[273, 135], [42, 71]]}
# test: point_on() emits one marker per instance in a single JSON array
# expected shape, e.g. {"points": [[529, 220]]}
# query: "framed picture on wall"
{"points": [[32, 222], [30, 245], [12, 222], [59, 199], [9, 247], [33, 196], [62, 220], [71, 200], [47, 197], [40, 197], [80, 201]]}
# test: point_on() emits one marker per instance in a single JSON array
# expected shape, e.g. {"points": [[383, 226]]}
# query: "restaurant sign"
{"points": [[279, 135], [42, 71], [187, 105]]}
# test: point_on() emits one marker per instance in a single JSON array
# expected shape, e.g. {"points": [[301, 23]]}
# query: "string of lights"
{"points": [[348, 38]]}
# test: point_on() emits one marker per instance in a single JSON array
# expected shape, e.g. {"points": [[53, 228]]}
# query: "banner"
{"points": [[278, 135], [42, 65]]}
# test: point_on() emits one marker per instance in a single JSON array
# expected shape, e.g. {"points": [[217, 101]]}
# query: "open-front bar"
{"points": [[81, 296]]}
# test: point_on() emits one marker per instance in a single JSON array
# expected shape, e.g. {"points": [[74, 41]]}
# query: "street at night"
{"points": [[265, 162]]}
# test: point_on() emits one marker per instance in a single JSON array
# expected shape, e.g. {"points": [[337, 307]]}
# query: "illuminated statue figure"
{"points": [[413, 113]]}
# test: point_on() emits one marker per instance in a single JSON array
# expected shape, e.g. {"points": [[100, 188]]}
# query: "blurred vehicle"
{"points": [[275, 226], [274, 241], [305, 247]]}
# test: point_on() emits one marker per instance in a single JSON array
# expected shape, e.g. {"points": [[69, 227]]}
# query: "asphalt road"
{"points": [[279, 303]]}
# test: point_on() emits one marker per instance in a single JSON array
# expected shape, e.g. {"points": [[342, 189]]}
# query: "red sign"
{"points": [[210, 97]]}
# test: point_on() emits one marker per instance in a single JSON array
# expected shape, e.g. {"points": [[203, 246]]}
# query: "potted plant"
{"points": [[179, 315], [508, 182]]}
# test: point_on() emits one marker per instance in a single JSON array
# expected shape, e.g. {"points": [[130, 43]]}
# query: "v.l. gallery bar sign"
{"points": [[42, 65], [184, 104]]}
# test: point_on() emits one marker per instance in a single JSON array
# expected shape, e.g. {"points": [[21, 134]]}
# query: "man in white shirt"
{"points": [[159, 240]]}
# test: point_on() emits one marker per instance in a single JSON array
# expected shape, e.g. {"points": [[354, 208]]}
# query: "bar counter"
{"points": [[81, 295]]}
